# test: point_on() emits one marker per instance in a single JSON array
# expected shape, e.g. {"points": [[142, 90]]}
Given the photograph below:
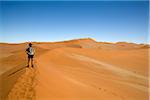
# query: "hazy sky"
{"points": [[110, 21]]}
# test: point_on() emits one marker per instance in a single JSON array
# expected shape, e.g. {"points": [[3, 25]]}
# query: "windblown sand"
{"points": [[76, 70]]}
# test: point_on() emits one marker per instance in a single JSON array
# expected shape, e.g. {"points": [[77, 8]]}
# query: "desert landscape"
{"points": [[80, 69]]}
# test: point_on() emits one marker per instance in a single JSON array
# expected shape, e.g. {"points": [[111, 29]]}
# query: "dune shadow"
{"points": [[24, 86], [9, 79]]}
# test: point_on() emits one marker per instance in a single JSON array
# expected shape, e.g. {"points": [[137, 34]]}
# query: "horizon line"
{"points": [[73, 39]]}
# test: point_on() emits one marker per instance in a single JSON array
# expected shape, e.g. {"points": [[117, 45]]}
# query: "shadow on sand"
{"points": [[12, 80]]}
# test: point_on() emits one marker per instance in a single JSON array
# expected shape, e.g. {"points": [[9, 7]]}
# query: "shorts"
{"points": [[30, 56]]}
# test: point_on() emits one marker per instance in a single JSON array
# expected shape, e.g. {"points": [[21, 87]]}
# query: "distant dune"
{"points": [[81, 69]]}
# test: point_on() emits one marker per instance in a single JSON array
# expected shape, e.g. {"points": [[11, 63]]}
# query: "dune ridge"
{"points": [[24, 87]]}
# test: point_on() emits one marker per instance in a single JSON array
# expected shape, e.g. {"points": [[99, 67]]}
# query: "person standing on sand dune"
{"points": [[30, 53]]}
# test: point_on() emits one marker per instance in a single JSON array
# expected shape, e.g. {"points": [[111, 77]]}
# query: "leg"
{"points": [[28, 62], [32, 62]]}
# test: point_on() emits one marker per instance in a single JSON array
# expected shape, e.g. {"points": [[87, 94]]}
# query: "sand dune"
{"points": [[81, 69]]}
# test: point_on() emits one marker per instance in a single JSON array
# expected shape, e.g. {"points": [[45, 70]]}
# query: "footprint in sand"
{"points": [[24, 87]]}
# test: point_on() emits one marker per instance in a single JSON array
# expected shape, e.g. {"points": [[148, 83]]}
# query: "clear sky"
{"points": [[110, 21]]}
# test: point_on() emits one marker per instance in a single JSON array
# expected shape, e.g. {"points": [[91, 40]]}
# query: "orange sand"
{"points": [[80, 69]]}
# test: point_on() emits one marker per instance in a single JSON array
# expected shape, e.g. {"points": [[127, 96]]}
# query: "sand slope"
{"points": [[79, 70], [81, 77]]}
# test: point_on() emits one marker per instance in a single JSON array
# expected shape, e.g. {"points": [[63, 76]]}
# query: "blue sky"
{"points": [[110, 21]]}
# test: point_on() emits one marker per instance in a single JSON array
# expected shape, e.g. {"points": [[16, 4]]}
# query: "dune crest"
{"points": [[24, 87]]}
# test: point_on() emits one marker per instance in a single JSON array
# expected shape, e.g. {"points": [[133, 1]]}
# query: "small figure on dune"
{"points": [[30, 53]]}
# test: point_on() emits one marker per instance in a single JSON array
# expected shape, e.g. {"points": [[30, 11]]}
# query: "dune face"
{"points": [[81, 69]]}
